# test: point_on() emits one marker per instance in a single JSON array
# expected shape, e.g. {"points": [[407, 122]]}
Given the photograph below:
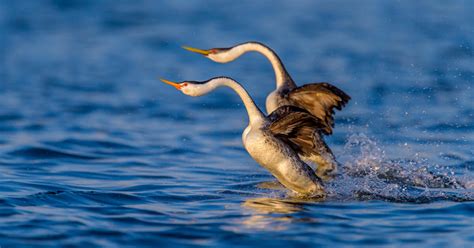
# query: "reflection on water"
{"points": [[273, 205], [273, 213]]}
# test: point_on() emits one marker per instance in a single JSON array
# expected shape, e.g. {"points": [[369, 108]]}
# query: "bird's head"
{"points": [[190, 88], [220, 55]]}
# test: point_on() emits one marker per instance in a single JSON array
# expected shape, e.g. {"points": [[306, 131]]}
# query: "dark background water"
{"points": [[95, 151]]}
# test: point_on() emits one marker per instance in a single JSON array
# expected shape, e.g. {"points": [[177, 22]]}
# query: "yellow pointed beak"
{"points": [[176, 85], [195, 50]]}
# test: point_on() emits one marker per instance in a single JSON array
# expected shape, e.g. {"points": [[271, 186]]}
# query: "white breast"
{"points": [[262, 149]]}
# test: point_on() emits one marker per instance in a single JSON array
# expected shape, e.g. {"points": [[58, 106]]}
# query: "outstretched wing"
{"points": [[319, 99], [296, 127]]}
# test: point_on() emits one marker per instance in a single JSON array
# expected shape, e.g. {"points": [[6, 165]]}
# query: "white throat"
{"points": [[255, 114], [281, 75]]}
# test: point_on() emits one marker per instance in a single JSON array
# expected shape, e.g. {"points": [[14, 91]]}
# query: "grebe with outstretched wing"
{"points": [[268, 139]]}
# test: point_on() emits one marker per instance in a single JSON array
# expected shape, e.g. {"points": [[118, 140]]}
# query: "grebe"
{"points": [[268, 139]]}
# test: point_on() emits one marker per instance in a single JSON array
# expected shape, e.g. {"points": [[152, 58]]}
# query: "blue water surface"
{"points": [[95, 151]]}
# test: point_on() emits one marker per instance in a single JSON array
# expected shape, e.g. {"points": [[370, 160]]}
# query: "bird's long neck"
{"points": [[281, 75], [255, 115]]}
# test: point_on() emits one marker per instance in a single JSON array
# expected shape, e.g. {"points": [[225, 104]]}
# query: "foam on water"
{"points": [[367, 174]]}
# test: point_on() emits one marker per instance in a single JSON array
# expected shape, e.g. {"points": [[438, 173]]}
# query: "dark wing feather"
{"points": [[287, 119], [297, 127], [319, 99]]}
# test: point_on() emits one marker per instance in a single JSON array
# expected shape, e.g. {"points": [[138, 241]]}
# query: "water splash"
{"points": [[367, 174]]}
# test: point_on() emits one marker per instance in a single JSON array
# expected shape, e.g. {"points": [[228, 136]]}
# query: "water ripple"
{"points": [[48, 153]]}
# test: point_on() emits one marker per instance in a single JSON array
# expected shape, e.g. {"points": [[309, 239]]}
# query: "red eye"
{"points": [[213, 51], [185, 84]]}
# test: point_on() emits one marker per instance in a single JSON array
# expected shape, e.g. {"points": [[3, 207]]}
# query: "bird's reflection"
{"points": [[266, 205], [275, 213]]}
